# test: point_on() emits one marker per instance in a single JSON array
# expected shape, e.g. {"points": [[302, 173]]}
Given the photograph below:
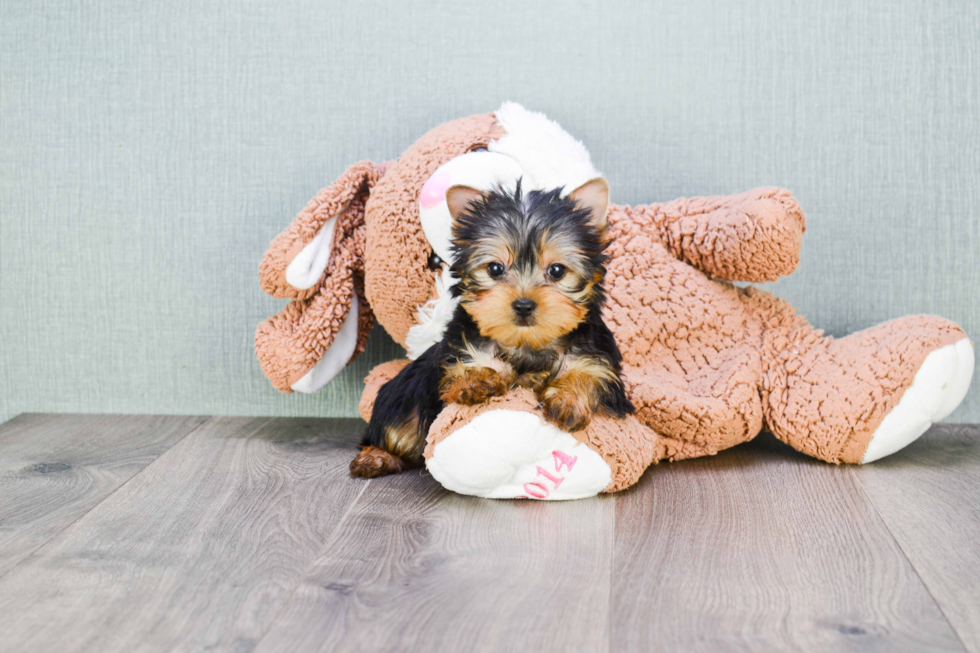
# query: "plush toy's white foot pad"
{"points": [[937, 389], [510, 454]]}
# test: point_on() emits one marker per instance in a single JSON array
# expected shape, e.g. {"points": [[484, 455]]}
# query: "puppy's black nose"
{"points": [[524, 307]]}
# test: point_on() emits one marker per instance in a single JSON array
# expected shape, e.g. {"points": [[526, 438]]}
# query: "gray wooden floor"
{"points": [[134, 533]]}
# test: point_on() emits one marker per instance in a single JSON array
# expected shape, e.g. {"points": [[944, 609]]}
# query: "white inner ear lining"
{"points": [[306, 269], [338, 354]]}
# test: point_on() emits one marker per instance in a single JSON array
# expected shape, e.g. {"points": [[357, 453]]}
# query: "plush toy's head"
{"points": [[403, 271], [377, 242], [408, 219]]}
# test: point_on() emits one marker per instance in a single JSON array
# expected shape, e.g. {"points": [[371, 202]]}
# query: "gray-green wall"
{"points": [[150, 151]]}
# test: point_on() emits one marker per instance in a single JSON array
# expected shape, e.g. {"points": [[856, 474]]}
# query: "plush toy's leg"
{"points": [[718, 410], [505, 449], [862, 397], [939, 386]]}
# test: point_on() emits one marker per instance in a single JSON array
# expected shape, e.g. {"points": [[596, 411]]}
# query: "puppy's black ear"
{"points": [[459, 199], [594, 196]]}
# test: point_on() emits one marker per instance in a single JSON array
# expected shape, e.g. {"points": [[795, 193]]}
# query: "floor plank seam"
{"points": [[612, 575], [905, 555], [306, 572], [103, 499]]}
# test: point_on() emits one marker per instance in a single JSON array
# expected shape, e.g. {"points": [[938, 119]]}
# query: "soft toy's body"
{"points": [[707, 364]]}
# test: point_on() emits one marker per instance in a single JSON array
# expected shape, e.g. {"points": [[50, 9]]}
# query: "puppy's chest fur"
{"points": [[526, 360], [545, 361]]}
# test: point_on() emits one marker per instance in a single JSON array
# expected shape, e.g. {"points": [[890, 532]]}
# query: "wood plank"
{"points": [[55, 468], [762, 548], [199, 551], [417, 568], [929, 496]]}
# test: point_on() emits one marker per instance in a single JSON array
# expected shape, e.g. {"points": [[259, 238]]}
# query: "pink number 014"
{"points": [[537, 489]]}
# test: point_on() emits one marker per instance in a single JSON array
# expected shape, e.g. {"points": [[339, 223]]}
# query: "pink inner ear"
{"points": [[434, 190]]}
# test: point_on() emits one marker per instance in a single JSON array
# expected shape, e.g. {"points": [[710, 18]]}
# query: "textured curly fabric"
{"points": [[346, 195], [289, 344], [398, 280], [753, 236]]}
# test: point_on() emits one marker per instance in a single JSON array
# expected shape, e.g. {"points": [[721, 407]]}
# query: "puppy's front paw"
{"points": [[566, 410], [474, 386]]}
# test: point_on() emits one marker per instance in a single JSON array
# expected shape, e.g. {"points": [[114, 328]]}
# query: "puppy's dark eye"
{"points": [[556, 271], [495, 269], [434, 261]]}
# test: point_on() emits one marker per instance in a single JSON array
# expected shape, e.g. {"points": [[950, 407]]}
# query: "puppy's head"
{"points": [[530, 266]]}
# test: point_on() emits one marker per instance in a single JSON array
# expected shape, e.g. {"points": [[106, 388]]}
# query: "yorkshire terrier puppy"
{"points": [[531, 270]]}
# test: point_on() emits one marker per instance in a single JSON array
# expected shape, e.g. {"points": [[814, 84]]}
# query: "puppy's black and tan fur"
{"points": [[531, 270]]}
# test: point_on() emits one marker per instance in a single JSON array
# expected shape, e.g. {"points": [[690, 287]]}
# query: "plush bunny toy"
{"points": [[707, 364]]}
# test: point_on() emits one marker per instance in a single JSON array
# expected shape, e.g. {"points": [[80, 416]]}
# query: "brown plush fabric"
{"points": [[351, 187], [752, 236], [397, 284], [290, 344], [667, 317]]}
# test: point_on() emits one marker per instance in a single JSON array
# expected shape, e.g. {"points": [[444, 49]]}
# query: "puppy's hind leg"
{"points": [[403, 412], [373, 461], [389, 447]]}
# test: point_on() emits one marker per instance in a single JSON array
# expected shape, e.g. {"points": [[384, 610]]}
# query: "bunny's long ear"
{"points": [[298, 259], [318, 261]]}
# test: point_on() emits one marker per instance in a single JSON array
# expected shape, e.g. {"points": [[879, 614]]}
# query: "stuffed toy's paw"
{"points": [[506, 448], [937, 389], [507, 451], [503, 449]]}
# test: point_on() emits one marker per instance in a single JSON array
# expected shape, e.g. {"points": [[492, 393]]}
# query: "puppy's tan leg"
{"points": [[467, 385], [400, 449], [571, 398], [475, 376]]}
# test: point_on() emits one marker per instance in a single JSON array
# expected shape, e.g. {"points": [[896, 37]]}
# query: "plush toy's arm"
{"points": [[299, 258], [753, 236]]}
